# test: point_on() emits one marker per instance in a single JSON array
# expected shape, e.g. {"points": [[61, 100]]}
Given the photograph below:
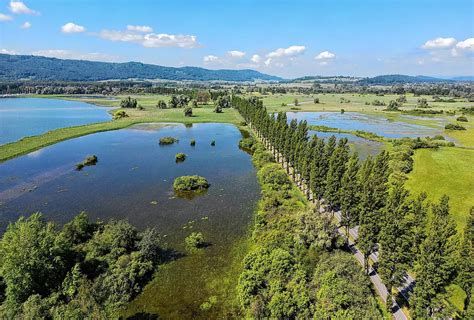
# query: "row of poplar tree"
{"points": [[408, 232]]}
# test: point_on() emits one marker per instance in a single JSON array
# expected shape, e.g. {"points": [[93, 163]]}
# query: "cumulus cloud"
{"points": [[144, 29], [151, 40], [467, 44], [256, 58], [19, 7], [210, 58], [287, 52], [71, 27], [439, 43], [325, 55], [67, 54], [26, 25], [4, 17], [236, 54], [6, 51]]}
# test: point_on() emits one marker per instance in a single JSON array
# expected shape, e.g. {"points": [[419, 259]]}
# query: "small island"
{"points": [[167, 140], [190, 183], [180, 157], [89, 161]]}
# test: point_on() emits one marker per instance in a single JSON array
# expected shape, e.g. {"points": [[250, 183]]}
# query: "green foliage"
{"points": [[179, 101], [88, 161], [247, 143], [188, 112], [274, 177], [454, 126], [316, 100], [120, 114], [128, 103], [82, 270], [461, 119], [161, 104], [179, 157], [422, 103], [393, 106], [193, 142], [194, 241], [190, 183], [213, 143], [167, 140], [341, 290], [378, 103]]}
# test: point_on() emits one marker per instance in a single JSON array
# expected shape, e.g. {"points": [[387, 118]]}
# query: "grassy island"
{"points": [[190, 183]]}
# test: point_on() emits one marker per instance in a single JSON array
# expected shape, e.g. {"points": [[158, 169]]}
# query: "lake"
{"points": [[358, 121], [23, 117], [133, 180]]}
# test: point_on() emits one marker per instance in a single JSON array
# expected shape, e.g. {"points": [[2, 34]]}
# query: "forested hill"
{"points": [[401, 78], [16, 67]]}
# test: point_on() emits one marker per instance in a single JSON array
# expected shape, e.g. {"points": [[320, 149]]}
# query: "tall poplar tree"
{"points": [[349, 193]]}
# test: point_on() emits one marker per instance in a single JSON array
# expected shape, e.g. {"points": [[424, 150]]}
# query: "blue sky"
{"points": [[287, 38]]}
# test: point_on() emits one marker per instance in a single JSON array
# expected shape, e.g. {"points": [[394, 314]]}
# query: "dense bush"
{"points": [[189, 183], [247, 143], [167, 140], [378, 103], [88, 161], [462, 119], [128, 103], [188, 112], [193, 142], [161, 104], [120, 114], [83, 270], [179, 157], [194, 241], [454, 126]]}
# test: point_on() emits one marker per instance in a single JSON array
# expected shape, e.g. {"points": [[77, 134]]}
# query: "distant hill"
{"points": [[16, 67], [400, 78]]}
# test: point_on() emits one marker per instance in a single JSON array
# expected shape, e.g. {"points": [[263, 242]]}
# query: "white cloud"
{"points": [[26, 25], [19, 7], [71, 27], [6, 51], [151, 40], [325, 55], [67, 54], [467, 44], [4, 17], [144, 29], [236, 54], [287, 52], [256, 58], [210, 58], [439, 43]]}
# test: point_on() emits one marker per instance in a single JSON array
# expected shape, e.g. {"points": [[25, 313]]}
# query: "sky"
{"points": [[289, 38]]}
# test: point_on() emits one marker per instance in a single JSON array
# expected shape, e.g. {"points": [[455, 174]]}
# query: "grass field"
{"points": [[447, 171]]}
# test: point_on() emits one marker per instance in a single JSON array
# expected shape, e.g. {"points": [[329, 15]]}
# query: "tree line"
{"points": [[409, 233]]}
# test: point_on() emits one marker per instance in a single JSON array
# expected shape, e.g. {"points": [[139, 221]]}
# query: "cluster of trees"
{"points": [[83, 270], [129, 103], [389, 220], [295, 270]]}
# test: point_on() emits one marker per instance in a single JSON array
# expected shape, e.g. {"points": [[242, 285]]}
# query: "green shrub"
{"points": [[316, 100], [88, 161], [190, 183], [180, 157], [128, 103], [193, 142], [161, 105], [168, 140], [462, 119], [188, 112], [273, 176], [454, 126], [213, 142], [120, 114], [247, 143], [194, 241]]}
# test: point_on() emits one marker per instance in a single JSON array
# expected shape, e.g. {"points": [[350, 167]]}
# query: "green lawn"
{"points": [[447, 171]]}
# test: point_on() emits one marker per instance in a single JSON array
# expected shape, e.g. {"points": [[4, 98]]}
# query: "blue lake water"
{"points": [[358, 121], [23, 117]]}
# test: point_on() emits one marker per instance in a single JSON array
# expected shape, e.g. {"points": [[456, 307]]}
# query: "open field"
{"points": [[445, 171]]}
